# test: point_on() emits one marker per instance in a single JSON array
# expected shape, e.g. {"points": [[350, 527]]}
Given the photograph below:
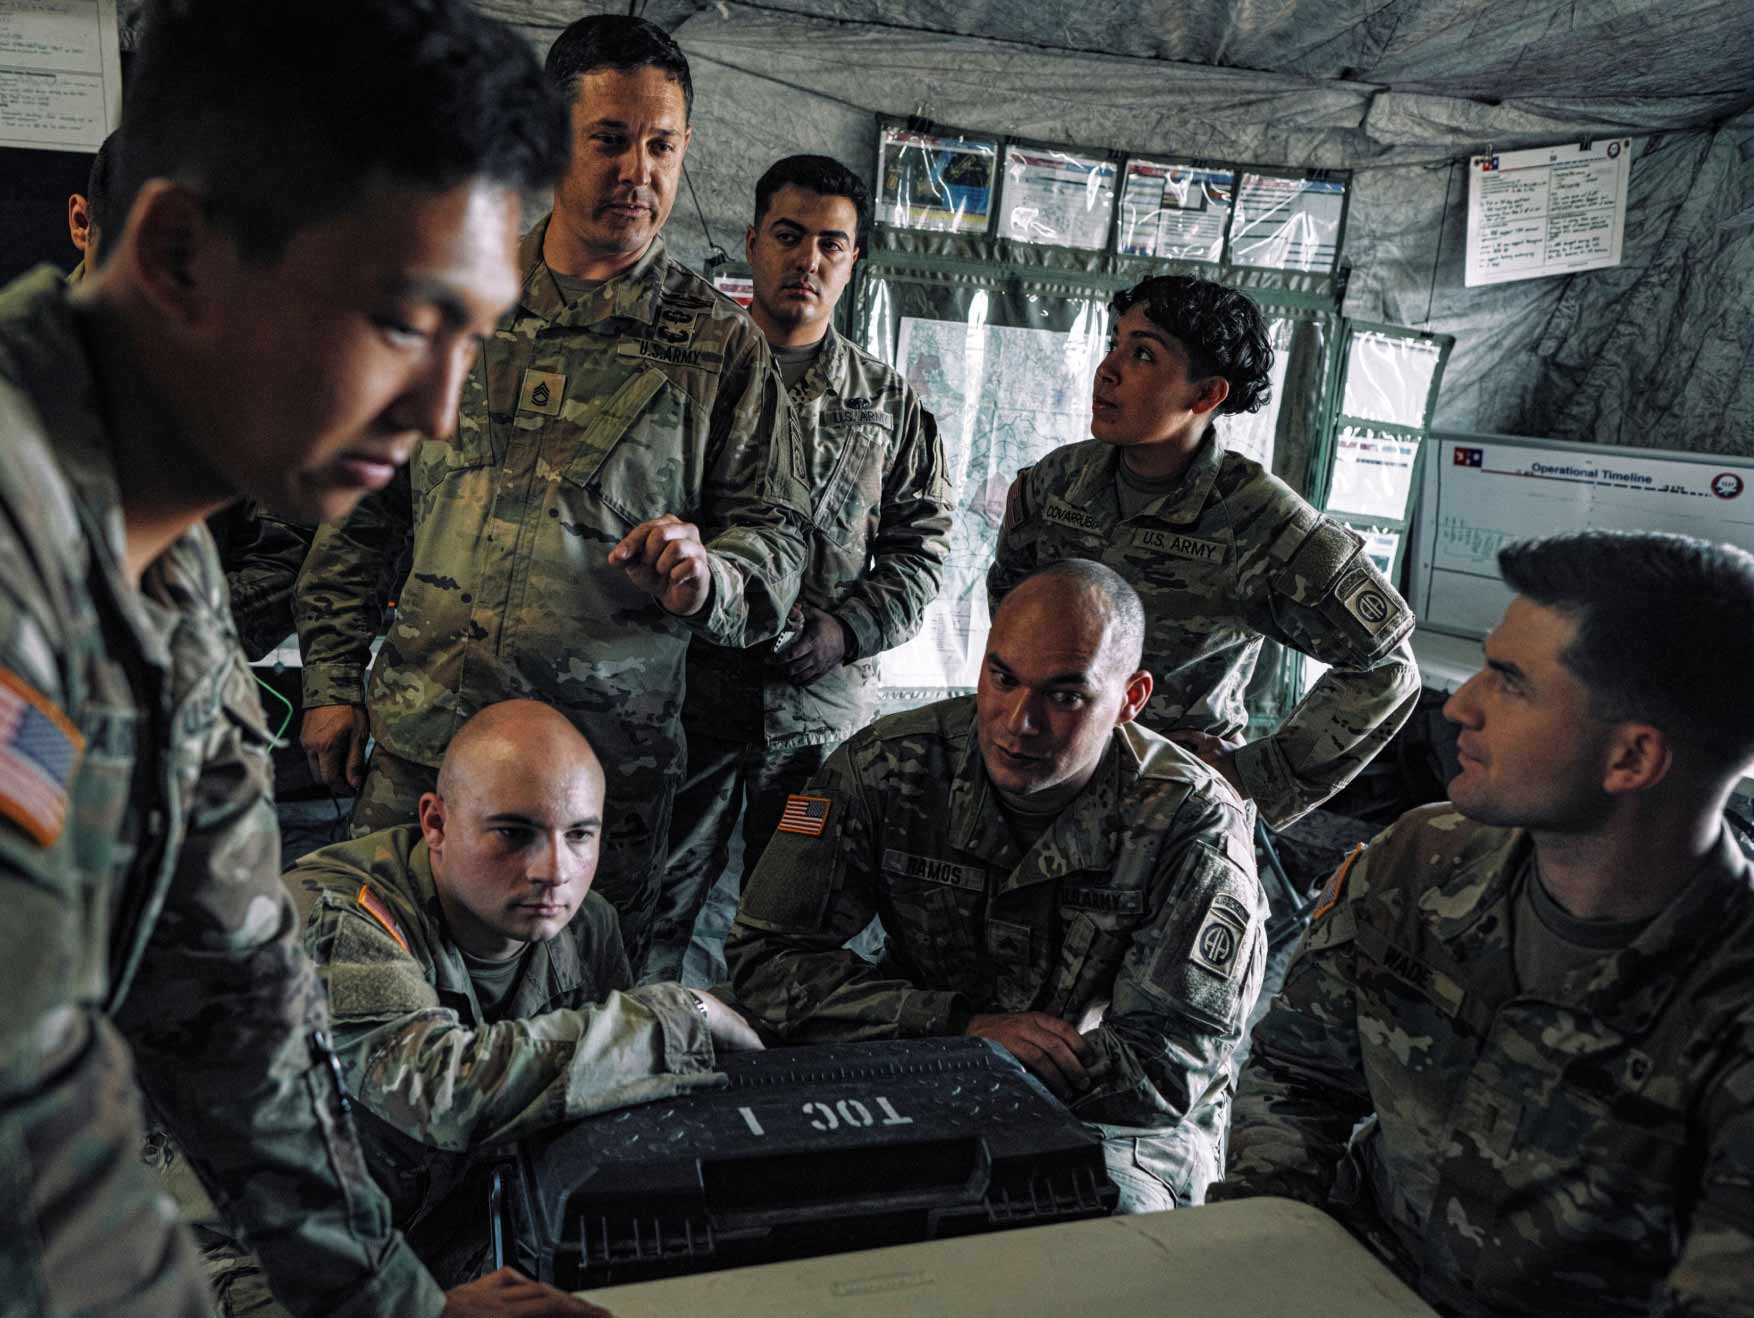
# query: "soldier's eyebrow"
{"points": [[525, 821], [1160, 339], [1509, 671], [796, 227], [1076, 677], [417, 288], [621, 124]]}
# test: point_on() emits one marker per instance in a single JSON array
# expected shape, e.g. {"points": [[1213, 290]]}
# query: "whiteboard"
{"points": [[1478, 492]]}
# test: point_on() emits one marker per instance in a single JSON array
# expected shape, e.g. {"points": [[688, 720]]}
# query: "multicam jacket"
{"points": [[1585, 1149], [651, 395], [879, 534], [437, 1084], [1137, 917], [147, 935], [1231, 557]]}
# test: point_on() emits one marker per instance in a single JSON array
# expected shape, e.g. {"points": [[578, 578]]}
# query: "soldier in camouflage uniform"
{"points": [[88, 213], [1223, 553], [220, 348], [622, 391], [1050, 876], [1539, 998], [466, 1014], [761, 721]]}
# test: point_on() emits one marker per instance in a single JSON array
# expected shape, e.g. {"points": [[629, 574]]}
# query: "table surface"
{"points": [[1252, 1258]]}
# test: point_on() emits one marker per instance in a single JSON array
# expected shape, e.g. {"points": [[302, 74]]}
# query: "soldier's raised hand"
{"points": [[509, 1292], [333, 737], [665, 558], [1050, 1049]]}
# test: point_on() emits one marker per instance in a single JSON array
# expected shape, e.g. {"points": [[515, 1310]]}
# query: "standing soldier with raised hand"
{"points": [[1223, 553], [288, 299], [624, 475], [761, 721]]}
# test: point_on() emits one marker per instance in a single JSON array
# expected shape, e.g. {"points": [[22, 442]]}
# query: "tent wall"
{"points": [[1648, 354]]}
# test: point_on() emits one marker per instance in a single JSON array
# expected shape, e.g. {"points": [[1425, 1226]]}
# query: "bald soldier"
{"points": [[1050, 875], [1224, 554], [1516, 1053], [479, 988]]}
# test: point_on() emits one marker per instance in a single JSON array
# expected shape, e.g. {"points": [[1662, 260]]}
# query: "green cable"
{"points": [[287, 721]]}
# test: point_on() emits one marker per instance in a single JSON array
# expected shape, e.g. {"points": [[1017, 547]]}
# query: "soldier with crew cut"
{"points": [[624, 475], [1224, 554], [479, 989], [285, 302], [1515, 1054], [761, 721], [1048, 874]]}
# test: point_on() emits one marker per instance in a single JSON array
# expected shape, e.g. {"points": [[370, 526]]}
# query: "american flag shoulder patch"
{"points": [[805, 814], [40, 751], [373, 905]]}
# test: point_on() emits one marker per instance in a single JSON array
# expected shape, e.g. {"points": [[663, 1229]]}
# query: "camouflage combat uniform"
{"points": [[147, 935], [1228, 558], [879, 534], [651, 395], [1137, 917], [262, 555], [1583, 1149]]}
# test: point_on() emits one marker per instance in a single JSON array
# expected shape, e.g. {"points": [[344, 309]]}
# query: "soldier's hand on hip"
{"points": [[819, 649], [333, 737], [1049, 1048], [665, 558], [729, 1031], [509, 1291]]}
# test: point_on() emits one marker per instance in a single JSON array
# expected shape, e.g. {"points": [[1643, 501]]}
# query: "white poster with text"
{"points": [[1553, 210]]}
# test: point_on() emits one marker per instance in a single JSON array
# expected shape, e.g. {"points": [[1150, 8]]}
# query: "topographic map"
{"points": [[1003, 397]]}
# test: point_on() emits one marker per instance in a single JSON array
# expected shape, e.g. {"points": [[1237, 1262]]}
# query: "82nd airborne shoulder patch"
{"points": [[1218, 945]]}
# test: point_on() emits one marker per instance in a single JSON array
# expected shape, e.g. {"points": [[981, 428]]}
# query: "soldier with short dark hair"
{"points": [[761, 721], [1049, 876], [624, 475], [1224, 554], [1538, 997], [315, 218]]}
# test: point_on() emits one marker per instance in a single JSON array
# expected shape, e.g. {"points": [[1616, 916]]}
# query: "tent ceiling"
{"points": [[1698, 51]]}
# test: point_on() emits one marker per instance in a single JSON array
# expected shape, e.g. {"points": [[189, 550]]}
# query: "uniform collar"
{"points": [[86, 425], [634, 294], [1625, 990], [1183, 505], [827, 374], [1081, 837]]}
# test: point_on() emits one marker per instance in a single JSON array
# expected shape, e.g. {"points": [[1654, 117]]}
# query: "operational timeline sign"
{"points": [[1554, 210]]}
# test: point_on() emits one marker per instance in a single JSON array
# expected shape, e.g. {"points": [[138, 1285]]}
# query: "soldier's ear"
{"points": [[176, 251], [1213, 391], [432, 820], [1639, 757], [1138, 692]]}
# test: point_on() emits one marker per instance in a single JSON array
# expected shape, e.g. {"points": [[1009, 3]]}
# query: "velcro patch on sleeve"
{"points": [[40, 750], [806, 815], [373, 905]]}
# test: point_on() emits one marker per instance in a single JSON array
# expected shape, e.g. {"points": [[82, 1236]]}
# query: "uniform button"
{"points": [[468, 598], [554, 512]]}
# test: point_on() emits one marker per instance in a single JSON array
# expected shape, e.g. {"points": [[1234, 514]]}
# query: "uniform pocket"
{"points": [[629, 454], [848, 504]]}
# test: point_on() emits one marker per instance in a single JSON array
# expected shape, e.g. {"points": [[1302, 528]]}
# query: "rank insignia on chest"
{"points": [[39, 753], [1218, 945], [542, 391], [805, 814]]}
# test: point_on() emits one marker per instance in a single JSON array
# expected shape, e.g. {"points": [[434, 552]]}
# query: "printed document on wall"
{"points": [[1554, 210], [60, 74]]}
